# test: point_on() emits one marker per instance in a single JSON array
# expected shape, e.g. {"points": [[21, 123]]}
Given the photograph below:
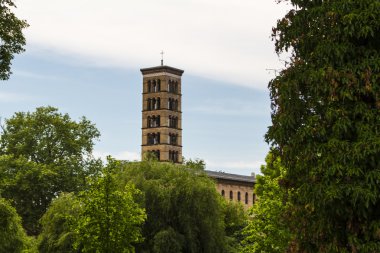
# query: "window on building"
{"points": [[176, 87], [223, 193], [154, 84], [149, 86], [157, 153], [231, 195], [239, 197], [158, 85], [253, 199], [246, 198]]}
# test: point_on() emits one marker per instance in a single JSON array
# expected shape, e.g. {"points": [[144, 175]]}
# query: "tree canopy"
{"points": [[12, 39], [184, 210], [268, 230], [110, 220], [42, 154], [12, 235], [326, 123]]}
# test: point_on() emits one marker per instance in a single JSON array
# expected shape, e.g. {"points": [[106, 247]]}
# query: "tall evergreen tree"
{"points": [[326, 122]]}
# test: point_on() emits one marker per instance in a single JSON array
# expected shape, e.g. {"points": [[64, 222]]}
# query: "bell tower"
{"points": [[161, 114]]}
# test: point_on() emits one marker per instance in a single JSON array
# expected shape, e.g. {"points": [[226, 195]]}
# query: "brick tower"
{"points": [[161, 114]]}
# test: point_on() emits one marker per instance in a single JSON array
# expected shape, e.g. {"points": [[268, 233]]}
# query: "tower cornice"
{"points": [[161, 69]]}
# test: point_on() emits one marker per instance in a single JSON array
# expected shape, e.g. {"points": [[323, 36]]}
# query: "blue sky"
{"points": [[84, 58]]}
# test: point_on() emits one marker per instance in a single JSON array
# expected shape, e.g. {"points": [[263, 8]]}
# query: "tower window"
{"points": [[154, 86], [223, 193], [158, 85], [176, 87], [239, 197], [173, 139], [154, 121], [153, 138], [173, 156], [149, 86], [246, 198], [173, 122], [231, 195]]}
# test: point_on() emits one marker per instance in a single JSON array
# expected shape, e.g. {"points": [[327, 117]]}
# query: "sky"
{"points": [[84, 57]]}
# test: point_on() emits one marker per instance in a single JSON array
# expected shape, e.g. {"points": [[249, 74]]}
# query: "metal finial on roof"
{"points": [[162, 57]]}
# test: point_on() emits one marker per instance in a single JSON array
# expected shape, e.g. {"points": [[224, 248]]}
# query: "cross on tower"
{"points": [[162, 58]]}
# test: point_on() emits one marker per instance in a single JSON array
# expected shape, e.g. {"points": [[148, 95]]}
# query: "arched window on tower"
{"points": [[149, 104], [246, 198], [157, 153], [149, 122], [175, 105], [231, 195], [239, 197], [149, 86], [158, 119], [154, 84], [176, 87]]}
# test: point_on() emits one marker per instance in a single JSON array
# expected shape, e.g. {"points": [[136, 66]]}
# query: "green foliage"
{"points": [[42, 154], [268, 230], [184, 210], [167, 241], [57, 234], [326, 123], [235, 219], [11, 37], [12, 235], [110, 220], [195, 164]]}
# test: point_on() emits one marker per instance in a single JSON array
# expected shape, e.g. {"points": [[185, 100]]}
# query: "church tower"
{"points": [[161, 114]]}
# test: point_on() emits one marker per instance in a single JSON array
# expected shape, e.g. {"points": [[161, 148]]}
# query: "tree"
{"points": [[110, 220], [326, 123], [12, 235], [43, 154], [11, 37], [58, 224], [268, 230], [184, 210], [235, 219], [29, 186]]}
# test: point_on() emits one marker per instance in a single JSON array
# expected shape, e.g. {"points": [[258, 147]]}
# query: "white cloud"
{"points": [[123, 155], [13, 97], [219, 39]]}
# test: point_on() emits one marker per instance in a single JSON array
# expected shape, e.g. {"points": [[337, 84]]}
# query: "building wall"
{"points": [[235, 187]]}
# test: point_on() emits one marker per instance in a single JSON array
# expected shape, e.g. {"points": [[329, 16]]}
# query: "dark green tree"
{"points": [[326, 123], [58, 225], [12, 235], [184, 210], [11, 37], [42, 154], [268, 230], [110, 220]]}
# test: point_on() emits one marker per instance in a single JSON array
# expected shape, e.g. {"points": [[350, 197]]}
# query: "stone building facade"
{"points": [[161, 114], [233, 187]]}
